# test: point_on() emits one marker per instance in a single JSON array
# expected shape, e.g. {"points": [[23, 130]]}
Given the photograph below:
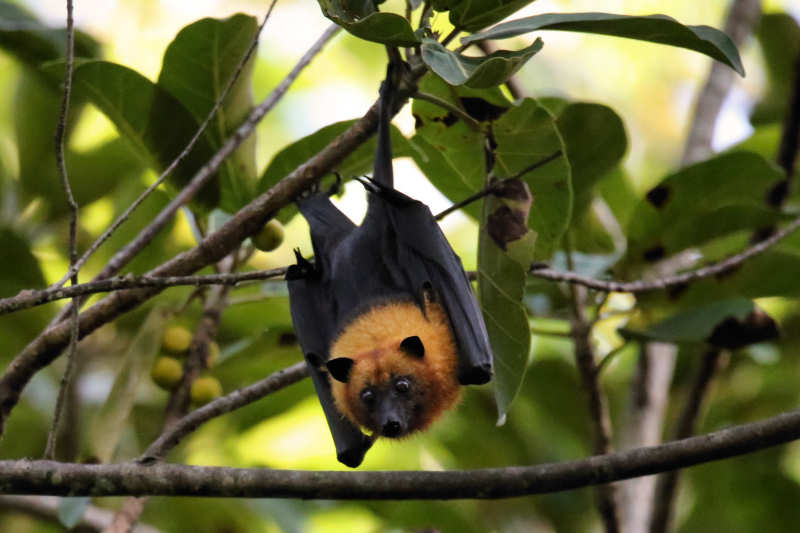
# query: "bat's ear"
{"points": [[340, 368], [413, 346]]}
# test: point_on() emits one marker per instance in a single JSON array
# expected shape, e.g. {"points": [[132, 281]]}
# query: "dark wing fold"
{"points": [[314, 315], [423, 250], [328, 225]]}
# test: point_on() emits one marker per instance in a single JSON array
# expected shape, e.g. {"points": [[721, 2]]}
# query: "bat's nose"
{"points": [[392, 428]]}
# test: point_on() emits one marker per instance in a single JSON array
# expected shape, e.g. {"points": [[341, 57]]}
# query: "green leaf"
{"points": [[694, 324], [156, 124], [501, 287], [448, 150], [92, 174], [198, 65], [162, 245], [357, 163], [473, 15], [779, 37], [451, 153], [71, 510], [32, 43], [525, 135], [19, 268], [95, 173], [112, 418], [653, 28], [596, 142], [476, 72], [702, 202], [364, 21]]}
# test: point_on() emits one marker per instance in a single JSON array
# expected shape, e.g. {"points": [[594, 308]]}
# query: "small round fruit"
{"points": [[176, 340], [167, 372], [213, 354], [270, 236], [205, 389]]}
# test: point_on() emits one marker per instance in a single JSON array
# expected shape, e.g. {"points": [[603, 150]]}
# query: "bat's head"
{"points": [[399, 385]]}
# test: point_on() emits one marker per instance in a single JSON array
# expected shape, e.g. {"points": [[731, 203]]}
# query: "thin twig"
{"points": [[494, 185], [598, 408], [52, 436], [607, 358], [450, 36], [49, 477], [47, 507], [197, 359], [444, 104], [173, 435], [178, 403], [790, 137], [667, 483], [29, 298], [118, 263], [668, 281]]}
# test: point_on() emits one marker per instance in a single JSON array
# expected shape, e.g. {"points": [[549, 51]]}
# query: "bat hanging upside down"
{"points": [[385, 315]]}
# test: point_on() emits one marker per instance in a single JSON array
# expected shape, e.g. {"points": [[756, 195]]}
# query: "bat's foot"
{"points": [[303, 269], [390, 194]]}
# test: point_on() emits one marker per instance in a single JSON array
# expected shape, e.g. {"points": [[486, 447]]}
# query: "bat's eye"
{"points": [[402, 385], [368, 396]]}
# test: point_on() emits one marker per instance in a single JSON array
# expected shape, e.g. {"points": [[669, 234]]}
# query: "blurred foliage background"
{"points": [[652, 88]]}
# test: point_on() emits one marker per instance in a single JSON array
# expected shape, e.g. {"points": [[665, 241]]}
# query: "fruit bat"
{"points": [[385, 315]]}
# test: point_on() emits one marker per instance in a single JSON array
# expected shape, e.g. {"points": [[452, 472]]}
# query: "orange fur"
{"points": [[372, 340]]}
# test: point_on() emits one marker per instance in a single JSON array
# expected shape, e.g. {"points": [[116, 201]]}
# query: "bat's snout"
{"points": [[392, 428]]}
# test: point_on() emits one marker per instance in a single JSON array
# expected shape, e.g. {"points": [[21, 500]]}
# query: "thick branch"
{"points": [[48, 477], [738, 25], [648, 404]]}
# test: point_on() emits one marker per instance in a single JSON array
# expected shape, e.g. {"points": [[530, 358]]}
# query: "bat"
{"points": [[385, 315]]}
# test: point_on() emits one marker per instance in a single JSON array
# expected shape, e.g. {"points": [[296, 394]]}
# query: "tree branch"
{"points": [[222, 405], [649, 398], [119, 262], [598, 408], [66, 378], [250, 219], [667, 483], [738, 25], [31, 298], [669, 281], [790, 136], [46, 507], [49, 477]]}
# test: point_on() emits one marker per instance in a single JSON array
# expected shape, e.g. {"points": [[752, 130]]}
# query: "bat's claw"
{"points": [[336, 186]]}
